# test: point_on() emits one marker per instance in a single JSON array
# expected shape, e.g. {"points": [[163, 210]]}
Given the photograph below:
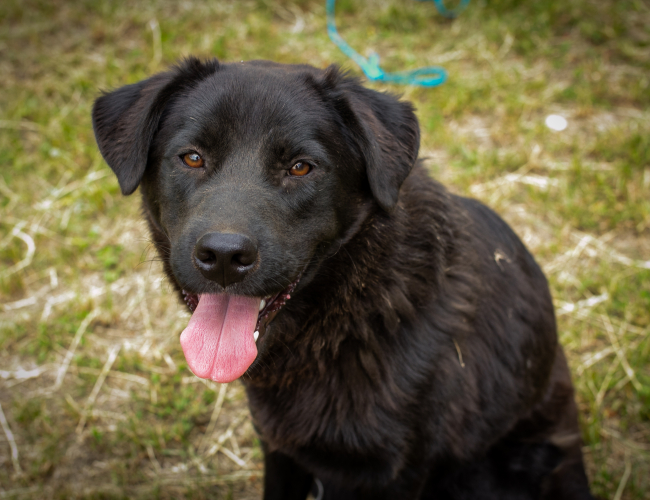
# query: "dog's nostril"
{"points": [[244, 259], [205, 256], [225, 258]]}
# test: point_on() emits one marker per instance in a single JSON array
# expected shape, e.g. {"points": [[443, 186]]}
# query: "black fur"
{"points": [[418, 355]]}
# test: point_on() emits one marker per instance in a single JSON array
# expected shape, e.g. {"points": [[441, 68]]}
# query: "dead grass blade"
{"points": [[17, 232], [213, 419], [12, 442], [620, 353], [626, 476], [112, 356], [226, 435], [63, 369]]}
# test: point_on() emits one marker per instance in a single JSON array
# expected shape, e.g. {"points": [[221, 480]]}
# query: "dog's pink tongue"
{"points": [[218, 342]]}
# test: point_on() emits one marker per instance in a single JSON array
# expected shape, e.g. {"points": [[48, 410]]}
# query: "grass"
{"points": [[93, 384]]}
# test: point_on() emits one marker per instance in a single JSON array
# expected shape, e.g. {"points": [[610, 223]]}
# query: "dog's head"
{"points": [[255, 173]]}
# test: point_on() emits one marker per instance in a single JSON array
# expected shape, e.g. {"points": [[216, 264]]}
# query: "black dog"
{"points": [[396, 341]]}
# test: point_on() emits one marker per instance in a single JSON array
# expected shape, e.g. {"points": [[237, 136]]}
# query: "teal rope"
{"points": [[440, 5], [430, 76]]}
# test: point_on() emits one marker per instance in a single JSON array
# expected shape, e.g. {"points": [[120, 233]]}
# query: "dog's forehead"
{"points": [[250, 105], [256, 95]]}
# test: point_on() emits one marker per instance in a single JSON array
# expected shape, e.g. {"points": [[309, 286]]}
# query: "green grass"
{"points": [[579, 198]]}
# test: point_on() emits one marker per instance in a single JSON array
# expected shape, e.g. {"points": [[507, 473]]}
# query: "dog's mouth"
{"points": [[220, 340]]}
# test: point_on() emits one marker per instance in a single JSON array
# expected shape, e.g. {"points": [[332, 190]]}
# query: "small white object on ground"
{"points": [[556, 122]]}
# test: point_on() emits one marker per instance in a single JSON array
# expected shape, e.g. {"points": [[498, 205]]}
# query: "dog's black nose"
{"points": [[225, 258]]}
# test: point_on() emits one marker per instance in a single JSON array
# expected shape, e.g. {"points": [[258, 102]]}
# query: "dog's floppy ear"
{"points": [[386, 130], [125, 121]]}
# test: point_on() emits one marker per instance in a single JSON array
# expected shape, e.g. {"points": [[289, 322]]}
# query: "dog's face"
{"points": [[254, 173]]}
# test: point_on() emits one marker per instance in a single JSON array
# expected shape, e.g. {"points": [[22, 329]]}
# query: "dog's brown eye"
{"points": [[300, 169], [193, 160]]}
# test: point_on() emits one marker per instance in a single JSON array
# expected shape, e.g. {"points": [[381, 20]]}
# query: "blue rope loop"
{"points": [[430, 76]]}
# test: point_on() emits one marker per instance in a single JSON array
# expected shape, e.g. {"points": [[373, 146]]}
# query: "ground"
{"points": [[96, 400]]}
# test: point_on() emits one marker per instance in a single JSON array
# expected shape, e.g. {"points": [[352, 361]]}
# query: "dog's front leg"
{"points": [[284, 479]]}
